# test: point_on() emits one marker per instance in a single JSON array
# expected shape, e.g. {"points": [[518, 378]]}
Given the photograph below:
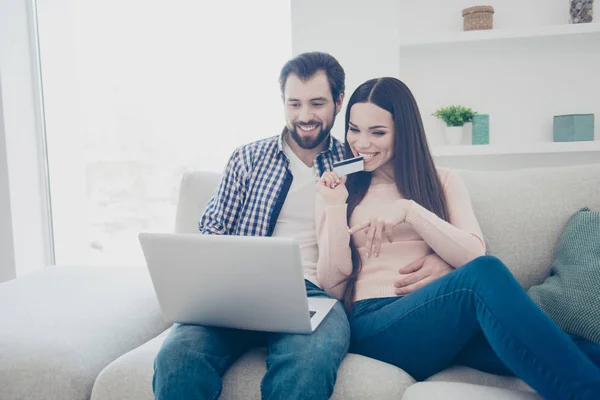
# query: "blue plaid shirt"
{"points": [[254, 186]]}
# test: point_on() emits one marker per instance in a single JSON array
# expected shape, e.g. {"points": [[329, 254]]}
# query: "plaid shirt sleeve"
{"points": [[222, 212]]}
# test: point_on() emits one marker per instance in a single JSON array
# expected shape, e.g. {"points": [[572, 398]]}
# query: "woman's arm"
{"points": [[458, 241], [335, 261]]}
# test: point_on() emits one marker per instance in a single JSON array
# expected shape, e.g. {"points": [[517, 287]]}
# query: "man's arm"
{"points": [[222, 212], [420, 273]]}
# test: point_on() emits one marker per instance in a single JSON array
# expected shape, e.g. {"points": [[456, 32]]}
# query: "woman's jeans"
{"points": [[193, 359], [478, 316]]}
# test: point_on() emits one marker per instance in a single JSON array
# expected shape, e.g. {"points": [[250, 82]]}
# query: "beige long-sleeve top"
{"points": [[457, 242]]}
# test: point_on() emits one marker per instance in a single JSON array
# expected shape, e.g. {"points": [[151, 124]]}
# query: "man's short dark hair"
{"points": [[306, 65]]}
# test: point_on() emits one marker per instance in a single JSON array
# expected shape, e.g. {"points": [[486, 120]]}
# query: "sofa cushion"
{"points": [[570, 295], [461, 391], [195, 191], [61, 326], [522, 212], [130, 377], [470, 375]]}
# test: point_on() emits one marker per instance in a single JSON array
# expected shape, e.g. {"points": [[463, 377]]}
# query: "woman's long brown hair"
{"points": [[414, 170]]}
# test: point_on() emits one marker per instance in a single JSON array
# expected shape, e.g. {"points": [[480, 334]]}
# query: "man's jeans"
{"points": [[478, 316], [194, 358]]}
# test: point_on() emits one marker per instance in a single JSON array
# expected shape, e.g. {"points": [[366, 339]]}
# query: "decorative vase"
{"points": [[454, 135], [467, 132], [573, 128], [581, 11], [481, 129]]}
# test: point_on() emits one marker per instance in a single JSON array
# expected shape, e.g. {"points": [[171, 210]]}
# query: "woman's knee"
{"points": [[489, 270], [486, 265]]}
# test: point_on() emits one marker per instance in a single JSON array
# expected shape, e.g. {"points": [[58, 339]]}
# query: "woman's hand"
{"points": [[382, 224], [333, 188]]}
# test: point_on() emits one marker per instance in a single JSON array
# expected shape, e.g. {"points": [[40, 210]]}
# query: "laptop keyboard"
{"points": [[312, 313]]}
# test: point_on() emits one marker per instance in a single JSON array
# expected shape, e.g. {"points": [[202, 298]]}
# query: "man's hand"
{"points": [[421, 272]]}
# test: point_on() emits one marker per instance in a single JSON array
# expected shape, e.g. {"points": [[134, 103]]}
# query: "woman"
{"points": [[400, 209]]}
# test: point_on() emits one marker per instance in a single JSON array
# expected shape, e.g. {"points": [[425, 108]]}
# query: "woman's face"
{"points": [[371, 134]]}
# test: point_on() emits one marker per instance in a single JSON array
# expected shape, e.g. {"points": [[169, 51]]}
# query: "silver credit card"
{"points": [[349, 166]]}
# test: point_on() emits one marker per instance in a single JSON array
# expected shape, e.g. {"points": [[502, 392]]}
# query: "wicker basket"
{"points": [[478, 17]]}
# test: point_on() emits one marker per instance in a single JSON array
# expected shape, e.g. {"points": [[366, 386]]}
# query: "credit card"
{"points": [[349, 166]]}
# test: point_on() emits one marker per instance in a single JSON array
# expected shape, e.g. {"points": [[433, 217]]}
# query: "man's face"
{"points": [[309, 109]]}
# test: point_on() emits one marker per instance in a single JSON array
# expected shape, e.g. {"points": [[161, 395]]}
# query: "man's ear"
{"points": [[338, 103]]}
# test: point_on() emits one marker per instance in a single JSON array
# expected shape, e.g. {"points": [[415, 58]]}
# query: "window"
{"points": [[136, 93]]}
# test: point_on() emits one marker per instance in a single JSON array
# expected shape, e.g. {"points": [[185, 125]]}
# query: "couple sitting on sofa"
{"points": [[397, 243]]}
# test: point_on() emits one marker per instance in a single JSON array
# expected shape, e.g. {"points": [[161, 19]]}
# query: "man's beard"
{"points": [[309, 143]]}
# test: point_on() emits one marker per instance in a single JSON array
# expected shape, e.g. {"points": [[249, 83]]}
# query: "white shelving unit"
{"points": [[521, 77], [537, 148], [506, 34]]}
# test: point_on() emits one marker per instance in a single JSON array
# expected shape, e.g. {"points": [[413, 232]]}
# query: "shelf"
{"points": [[504, 34], [533, 148]]}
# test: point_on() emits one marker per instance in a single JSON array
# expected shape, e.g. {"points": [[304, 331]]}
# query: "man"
{"points": [[268, 189]]}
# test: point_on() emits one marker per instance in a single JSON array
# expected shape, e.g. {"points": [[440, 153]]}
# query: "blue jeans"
{"points": [[193, 359], [479, 316]]}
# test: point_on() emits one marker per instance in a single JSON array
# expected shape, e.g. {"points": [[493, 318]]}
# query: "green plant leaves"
{"points": [[455, 115]]}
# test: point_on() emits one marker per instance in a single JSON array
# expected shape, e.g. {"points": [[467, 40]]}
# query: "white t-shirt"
{"points": [[297, 216]]}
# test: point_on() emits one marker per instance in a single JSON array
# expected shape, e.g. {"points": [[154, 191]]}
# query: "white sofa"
{"points": [[80, 333]]}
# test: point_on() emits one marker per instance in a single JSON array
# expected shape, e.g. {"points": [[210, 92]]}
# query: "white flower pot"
{"points": [[468, 133], [454, 135]]}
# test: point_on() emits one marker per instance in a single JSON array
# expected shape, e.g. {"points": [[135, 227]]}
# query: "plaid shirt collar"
{"points": [[254, 187]]}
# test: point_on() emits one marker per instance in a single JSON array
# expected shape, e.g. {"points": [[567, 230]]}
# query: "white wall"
{"points": [[22, 150], [521, 93], [361, 35]]}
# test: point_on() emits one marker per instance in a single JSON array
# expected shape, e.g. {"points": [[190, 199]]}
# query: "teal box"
{"points": [[573, 128], [481, 129]]}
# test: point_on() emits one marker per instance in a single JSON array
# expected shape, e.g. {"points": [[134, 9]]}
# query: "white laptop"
{"points": [[243, 282]]}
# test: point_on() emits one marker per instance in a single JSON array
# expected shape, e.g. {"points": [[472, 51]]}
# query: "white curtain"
{"points": [[136, 92]]}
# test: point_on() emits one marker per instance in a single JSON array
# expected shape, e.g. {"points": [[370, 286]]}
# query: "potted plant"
{"points": [[455, 118]]}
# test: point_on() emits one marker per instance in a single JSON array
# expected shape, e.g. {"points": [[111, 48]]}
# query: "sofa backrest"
{"points": [[195, 191], [521, 212]]}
